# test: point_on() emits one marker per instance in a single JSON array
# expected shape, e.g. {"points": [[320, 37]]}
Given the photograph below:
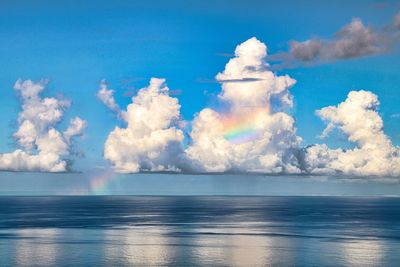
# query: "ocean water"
{"points": [[199, 231]]}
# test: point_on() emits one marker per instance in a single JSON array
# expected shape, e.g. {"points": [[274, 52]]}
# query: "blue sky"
{"points": [[75, 44]]}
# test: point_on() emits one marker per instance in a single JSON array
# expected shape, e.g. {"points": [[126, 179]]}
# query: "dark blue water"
{"points": [[199, 231]]}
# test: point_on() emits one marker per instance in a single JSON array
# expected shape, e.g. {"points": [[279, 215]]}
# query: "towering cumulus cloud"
{"points": [[254, 134], [152, 138], [42, 146], [357, 117]]}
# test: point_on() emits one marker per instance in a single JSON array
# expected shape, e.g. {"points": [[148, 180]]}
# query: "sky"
{"points": [[79, 47]]}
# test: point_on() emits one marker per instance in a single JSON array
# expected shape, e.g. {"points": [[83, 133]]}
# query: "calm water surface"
{"points": [[199, 231]]}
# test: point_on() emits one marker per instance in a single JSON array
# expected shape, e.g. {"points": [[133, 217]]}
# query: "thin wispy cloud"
{"points": [[241, 80], [395, 116]]}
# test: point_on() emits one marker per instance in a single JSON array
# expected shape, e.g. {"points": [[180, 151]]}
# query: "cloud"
{"points": [[251, 132], [261, 85], [42, 147], [241, 80], [306, 51], [252, 136], [396, 22], [354, 40], [395, 116], [356, 117], [107, 97], [152, 137], [75, 128]]}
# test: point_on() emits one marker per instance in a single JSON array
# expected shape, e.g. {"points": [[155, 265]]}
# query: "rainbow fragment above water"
{"points": [[98, 184]]}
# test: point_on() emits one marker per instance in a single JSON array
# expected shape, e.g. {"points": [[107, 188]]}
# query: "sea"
{"points": [[199, 231]]}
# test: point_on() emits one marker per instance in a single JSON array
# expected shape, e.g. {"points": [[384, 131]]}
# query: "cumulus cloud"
{"points": [[261, 83], [152, 137], [356, 117], [251, 131], [252, 135], [42, 147]]}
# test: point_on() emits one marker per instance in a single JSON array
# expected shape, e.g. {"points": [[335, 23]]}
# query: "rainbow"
{"points": [[242, 134], [97, 185], [245, 127]]}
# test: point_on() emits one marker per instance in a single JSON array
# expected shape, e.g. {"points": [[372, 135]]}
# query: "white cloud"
{"points": [[107, 97], [253, 135], [75, 128], [152, 138], [260, 84], [252, 132], [42, 147], [357, 117]]}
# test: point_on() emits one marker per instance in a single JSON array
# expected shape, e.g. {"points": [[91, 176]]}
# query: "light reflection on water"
{"points": [[138, 247], [198, 232], [364, 253], [157, 246], [29, 250], [232, 248]]}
